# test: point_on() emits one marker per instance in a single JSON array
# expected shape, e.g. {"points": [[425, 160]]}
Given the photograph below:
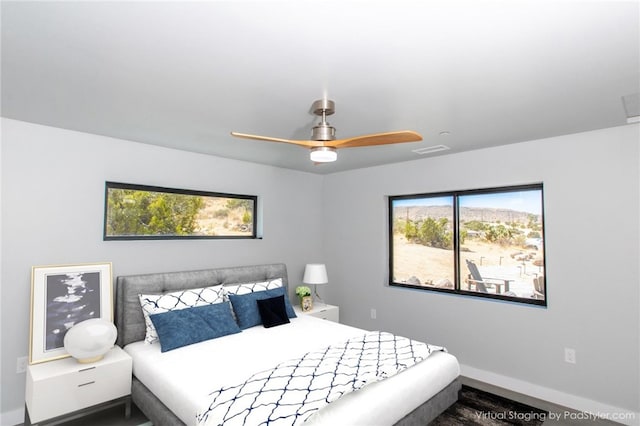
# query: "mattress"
{"points": [[183, 378]]}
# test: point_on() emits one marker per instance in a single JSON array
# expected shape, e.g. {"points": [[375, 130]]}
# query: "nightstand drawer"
{"points": [[327, 312], [85, 375], [98, 385], [72, 386]]}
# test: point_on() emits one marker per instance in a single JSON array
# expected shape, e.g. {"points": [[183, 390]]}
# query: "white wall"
{"points": [[591, 187], [52, 213]]}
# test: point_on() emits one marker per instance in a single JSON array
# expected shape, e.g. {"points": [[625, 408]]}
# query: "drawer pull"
{"points": [[86, 369], [86, 384]]}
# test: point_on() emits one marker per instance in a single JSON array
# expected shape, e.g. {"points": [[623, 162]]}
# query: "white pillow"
{"points": [[247, 288], [160, 303]]}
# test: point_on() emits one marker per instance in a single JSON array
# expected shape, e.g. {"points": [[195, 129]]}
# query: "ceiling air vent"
{"points": [[430, 149]]}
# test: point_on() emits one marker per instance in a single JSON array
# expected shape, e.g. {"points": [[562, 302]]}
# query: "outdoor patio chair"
{"points": [[482, 284], [538, 287]]}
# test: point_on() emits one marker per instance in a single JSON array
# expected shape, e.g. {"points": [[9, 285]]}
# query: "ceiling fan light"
{"points": [[323, 154]]}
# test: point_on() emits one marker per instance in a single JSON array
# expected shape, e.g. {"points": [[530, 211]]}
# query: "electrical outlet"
{"points": [[374, 314], [570, 355], [21, 364]]}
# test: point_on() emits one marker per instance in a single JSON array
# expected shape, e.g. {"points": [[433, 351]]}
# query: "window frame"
{"points": [[458, 290], [150, 188]]}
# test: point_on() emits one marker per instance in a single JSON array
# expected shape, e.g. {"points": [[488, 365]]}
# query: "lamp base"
{"points": [[317, 296], [90, 360]]}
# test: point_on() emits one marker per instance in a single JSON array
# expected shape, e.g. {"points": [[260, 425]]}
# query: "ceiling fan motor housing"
{"points": [[323, 131]]}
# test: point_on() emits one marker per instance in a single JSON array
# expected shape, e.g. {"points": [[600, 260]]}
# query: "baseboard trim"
{"points": [[14, 417], [553, 396]]}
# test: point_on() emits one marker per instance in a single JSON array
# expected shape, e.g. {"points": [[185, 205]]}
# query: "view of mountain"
{"points": [[467, 213]]}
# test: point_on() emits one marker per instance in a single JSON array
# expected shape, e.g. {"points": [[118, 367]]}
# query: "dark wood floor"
{"points": [[110, 417]]}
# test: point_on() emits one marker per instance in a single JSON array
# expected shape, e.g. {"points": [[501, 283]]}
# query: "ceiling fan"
{"points": [[323, 143]]}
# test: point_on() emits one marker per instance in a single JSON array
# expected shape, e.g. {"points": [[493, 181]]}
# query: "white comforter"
{"points": [[183, 378]]}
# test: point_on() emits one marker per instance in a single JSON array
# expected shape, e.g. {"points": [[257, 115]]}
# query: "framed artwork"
{"points": [[62, 296], [306, 303]]}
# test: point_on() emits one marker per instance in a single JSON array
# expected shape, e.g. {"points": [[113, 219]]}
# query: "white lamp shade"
{"points": [[315, 273], [89, 340]]}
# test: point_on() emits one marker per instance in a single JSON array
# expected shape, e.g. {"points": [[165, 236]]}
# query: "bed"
{"points": [[168, 389]]}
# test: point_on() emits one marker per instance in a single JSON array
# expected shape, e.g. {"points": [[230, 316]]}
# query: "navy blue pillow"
{"points": [[272, 311], [246, 308], [187, 326]]}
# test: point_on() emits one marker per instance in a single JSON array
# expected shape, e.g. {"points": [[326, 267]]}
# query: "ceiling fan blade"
{"points": [[376, 139], [270, 139]]}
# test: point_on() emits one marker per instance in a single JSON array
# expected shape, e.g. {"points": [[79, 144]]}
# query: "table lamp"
{"points": [[89, 340], [315, 274]]}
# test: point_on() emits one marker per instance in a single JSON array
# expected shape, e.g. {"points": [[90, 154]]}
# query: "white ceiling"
{"points": [[185, 74]]}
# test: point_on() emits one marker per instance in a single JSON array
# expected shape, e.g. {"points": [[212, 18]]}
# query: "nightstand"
{"points": [[320, 310], [65, 389]]}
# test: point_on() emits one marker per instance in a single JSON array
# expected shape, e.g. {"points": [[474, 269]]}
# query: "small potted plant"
{"points": [[306, 301]]}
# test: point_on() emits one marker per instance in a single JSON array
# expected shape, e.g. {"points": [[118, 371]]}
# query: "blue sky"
{"points": [[431, 201], [522, 201]]}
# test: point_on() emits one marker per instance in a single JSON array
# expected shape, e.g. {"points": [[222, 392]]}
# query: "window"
{"points": [[139, 212], [485, 242]]}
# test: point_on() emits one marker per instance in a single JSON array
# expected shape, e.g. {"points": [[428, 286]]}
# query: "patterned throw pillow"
{"points": [[247, 288], [159, 303]]}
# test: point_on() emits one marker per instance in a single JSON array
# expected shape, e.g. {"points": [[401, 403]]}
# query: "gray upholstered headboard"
{"points": [[129, 319]]}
